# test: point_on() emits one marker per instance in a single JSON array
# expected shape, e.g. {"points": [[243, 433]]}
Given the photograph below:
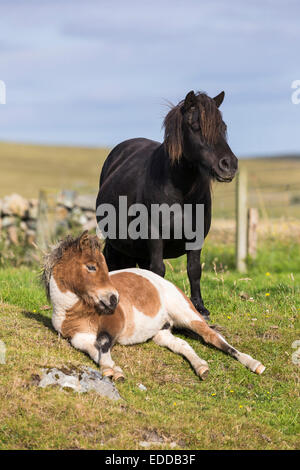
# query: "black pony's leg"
{"points": [[117, 260], [194, 271], [143, 263], [156, 257]]}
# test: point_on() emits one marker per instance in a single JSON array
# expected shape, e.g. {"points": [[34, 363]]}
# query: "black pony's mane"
{"points": [[210, 121]]}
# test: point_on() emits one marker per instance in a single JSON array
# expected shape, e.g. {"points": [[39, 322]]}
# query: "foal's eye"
{"points": [[90, 267]]}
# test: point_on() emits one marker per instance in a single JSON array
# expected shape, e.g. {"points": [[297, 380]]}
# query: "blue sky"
{"points": [[96, 72]]}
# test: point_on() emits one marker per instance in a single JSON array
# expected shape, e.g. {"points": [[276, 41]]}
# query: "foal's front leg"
{"points": [[98, 348], [107, 366], [86, 342], [194, 271]]}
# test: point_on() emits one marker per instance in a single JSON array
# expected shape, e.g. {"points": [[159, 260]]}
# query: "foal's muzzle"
{"points": [[107, 303]]}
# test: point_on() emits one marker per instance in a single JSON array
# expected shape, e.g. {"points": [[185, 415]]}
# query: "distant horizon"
{"points": [[109, 148]]}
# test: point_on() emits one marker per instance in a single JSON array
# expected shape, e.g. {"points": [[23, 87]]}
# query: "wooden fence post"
{"points": [[241, 220], [252, 231], [45, 230]]}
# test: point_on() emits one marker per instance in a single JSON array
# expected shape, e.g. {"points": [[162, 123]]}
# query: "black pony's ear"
{"points": [[83, 240], [219, 98], [190, 100]]}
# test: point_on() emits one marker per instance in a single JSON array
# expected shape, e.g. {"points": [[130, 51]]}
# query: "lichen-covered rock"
{"points": [[61, 213], [30, 237], [67, 198], [33, 208], [13, 234], [86, 202], [66, 211], [8, 221], [90, 225], [90, 215], [78, 216], [81, 381], [15, 205], [31, 224]]}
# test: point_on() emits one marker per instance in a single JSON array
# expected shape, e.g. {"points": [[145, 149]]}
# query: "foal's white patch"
{"points": [[173, 301], [61, 301], [145, 327]]}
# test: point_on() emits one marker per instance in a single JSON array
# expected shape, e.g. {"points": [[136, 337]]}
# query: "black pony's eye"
{"points": [[90, 267], [196, 126]]}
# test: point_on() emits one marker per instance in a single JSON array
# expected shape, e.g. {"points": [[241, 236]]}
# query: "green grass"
{"points": [[232, 409]]}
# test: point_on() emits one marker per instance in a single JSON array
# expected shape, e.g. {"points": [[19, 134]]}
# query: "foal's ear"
{"points": [[83, 240], [219, 98], [190, 100]]}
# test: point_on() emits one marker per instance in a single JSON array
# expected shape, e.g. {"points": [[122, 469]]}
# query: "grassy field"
{"points": [[274, 183], [232, 409]]}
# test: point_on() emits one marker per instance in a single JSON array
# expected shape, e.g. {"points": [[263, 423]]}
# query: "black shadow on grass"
{"points": [[46, 321]]}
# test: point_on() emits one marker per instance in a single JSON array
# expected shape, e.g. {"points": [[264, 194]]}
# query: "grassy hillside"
{"points": [[27, 168], [274, 183], [273, 187], [232, 409]]}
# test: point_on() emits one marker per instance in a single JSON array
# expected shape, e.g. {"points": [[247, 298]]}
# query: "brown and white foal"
{"points": [[95, 309]]}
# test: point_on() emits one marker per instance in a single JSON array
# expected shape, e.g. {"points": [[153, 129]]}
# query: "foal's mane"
{"points": [[57, 251], [210, 121]]}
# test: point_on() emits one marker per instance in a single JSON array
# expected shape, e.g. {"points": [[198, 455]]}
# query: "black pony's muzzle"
{"points": [[227, 168]]}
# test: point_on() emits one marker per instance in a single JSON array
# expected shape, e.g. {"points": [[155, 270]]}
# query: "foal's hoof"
{"points": [[202, 372], [260, 369], [107, 373], [118, 375]]}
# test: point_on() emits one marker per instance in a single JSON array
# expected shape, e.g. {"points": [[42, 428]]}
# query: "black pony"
{"points": [[180, 170]]}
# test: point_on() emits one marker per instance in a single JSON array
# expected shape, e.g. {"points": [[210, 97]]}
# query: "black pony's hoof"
{"points": [[202, 310], [205, 316]]}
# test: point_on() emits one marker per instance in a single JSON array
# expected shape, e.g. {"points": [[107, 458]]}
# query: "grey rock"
{"points": [[8, 221], [146, 443], [76, 214], [61, 213], [13, 234], [142, 387], [23, 226], [31, 224], [82, 219], [90, 225], [90, 215], [30, 237], [15, 205], [33, 208], [86, 202], [67, 198], [81, 381]]}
